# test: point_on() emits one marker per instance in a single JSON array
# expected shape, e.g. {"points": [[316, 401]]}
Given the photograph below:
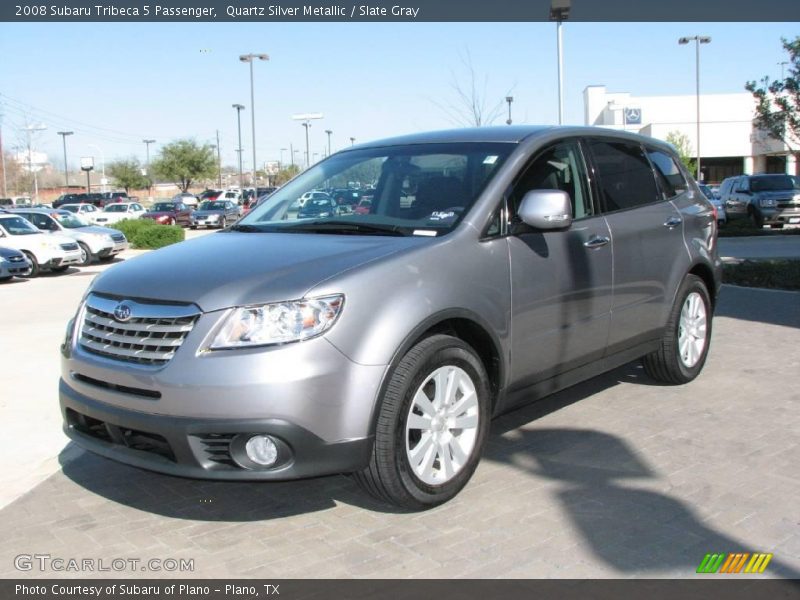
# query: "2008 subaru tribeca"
{"points": [[496, 265]]}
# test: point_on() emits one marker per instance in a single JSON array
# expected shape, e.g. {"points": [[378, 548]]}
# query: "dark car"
{"points": [[209, 195], [169, 213], [215, 213], [318, 207], [66, 199], [766, 199], [111, 197], [13, 263]]}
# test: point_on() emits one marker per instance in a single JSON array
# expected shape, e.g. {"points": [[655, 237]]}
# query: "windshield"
{"points": [[116, 208], [421, 189], [163, 207], [212, 206], [18, 226], [69, 221], [771, 184]]}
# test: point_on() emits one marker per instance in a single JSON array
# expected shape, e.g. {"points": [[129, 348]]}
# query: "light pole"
{"points": [[782, 64], [29, 129], [509, 99], [698, 39], [147, 167], [559, 12], [251, 58], [239, 108], [102, 166], [307, 118], [281, 163], [219, 163], [352, 141], [64, 135], [329, 132]]}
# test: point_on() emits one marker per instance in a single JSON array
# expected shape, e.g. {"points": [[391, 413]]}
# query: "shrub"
{"points": [[773, 274], [146, 233]]}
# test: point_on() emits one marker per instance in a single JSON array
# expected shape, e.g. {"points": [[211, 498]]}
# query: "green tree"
{"points": [[684, 148], [128, 174], [778, 101], [185, 161], [285, 174]]}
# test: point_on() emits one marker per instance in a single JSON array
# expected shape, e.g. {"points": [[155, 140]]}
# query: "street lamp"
{"points": [[329, 132], [782, 64], [352, 141], [64, 135], [307, 118], [281, 163], [509, 99], [698, 39], [30, 129], [251, 58], [559, 12], [239, 108]]}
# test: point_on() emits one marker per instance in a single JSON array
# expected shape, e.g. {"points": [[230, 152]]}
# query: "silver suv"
{"points": [[769, 199], [495, 266]]}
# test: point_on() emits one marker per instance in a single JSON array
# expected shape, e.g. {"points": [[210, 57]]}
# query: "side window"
{"points": [[624, 174], [669, 175], [559, 167], [742, 185]]}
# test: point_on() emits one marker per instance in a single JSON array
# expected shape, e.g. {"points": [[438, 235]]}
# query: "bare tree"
{"points": [[471, 105]]}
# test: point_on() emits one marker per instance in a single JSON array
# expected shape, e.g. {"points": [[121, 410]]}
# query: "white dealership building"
{"points": [[729, 143]]}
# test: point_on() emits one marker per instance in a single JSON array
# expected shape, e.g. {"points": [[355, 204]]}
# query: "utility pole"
{"points": [[219, 163], [147, 167], [64, 135], [329, 132], [28, 130], [3, 157], [239, 108]]}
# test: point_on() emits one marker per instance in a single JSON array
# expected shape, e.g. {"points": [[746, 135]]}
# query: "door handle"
{"points": [[596, 242], [673, 222]]}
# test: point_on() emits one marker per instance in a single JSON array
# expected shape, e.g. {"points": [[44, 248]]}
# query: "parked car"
{"points": [[88, 211], [15, 201], [231, 196], [170, 213], [119, 211], [13, 263], [318, 207], [209, 195], [48, 252], [719, 205], [65, 199], [382, 344], [215, 213], [95, 243], [364, 206], [186, 198], [112, 197], [311, 195], [768, 199]]}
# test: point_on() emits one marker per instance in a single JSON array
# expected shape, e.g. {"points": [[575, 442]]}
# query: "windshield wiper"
{"points": [[345, 227], [246, 228]]}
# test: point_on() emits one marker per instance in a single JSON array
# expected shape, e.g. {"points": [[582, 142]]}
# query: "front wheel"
{"points": [[86, 255], [432, 425], [756, 219], [684, 345], [223, 223], [35, 268]]}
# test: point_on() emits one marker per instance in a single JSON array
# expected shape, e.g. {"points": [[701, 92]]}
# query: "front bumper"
{"points": [[202, 448], [785, 216], [14, 269], [309, 395]]}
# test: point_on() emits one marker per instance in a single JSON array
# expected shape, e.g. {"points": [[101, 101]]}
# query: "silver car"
{"points": [[493, 267], [95, 242], [214, 213]]}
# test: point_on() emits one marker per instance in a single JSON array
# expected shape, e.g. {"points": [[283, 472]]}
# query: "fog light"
{"points": [[261, 449]]}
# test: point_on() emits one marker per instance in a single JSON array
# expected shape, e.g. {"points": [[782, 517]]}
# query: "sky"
{"points": [[115, 84]]}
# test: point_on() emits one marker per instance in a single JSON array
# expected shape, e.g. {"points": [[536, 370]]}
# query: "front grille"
{"points": [[122, 436], [152, 394], [69, 247], [150, 337], [216, 447], [118, 237]]}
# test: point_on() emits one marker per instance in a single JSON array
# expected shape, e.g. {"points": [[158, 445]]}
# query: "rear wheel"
{"points": [[170, 221], [684, 345], [432, 425], [35, 268]]}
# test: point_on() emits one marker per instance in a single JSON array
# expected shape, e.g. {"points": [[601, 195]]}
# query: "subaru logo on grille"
{"points": [[122, 312]]}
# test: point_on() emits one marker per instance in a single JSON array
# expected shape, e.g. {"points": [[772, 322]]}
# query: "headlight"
{"points": [[278, 323], [767, 202]]}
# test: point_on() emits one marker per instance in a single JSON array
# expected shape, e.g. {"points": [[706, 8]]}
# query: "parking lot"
{"points": [[616, 477]]}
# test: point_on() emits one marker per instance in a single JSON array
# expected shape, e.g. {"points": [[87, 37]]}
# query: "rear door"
{"points": [[647, 235]]}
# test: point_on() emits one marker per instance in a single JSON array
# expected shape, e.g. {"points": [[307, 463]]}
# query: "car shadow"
{"points": [[760, 305]]}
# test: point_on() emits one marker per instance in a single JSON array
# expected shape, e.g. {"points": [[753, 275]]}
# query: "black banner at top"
{"points": [[397, 10]]}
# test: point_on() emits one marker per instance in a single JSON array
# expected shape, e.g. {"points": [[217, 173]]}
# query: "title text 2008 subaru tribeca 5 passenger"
{"points": [[495, 265]]}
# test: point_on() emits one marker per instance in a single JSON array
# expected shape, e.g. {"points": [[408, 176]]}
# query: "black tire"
{"points": [[389, 475], [756, 219], [4, 279], [86, 255], [192, 226], [223, 223], [776, 226], [35, 268], [665, 364], [60, 269]]}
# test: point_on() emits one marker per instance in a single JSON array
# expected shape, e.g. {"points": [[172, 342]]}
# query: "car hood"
{"points": [[233, 268], [94, 229], [159, 213]]}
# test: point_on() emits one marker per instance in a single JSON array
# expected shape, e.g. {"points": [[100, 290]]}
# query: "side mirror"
{"points": [[546, 209]]}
